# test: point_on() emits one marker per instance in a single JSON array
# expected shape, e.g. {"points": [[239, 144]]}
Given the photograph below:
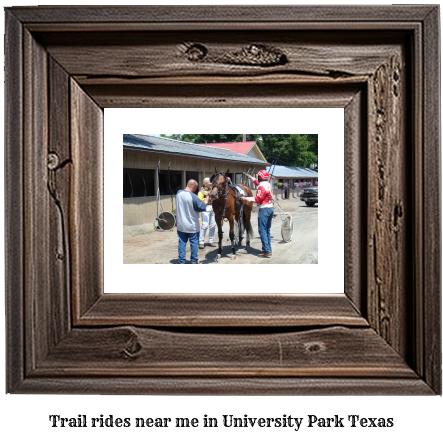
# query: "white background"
{"points": [[27, 415], [328, 123]]}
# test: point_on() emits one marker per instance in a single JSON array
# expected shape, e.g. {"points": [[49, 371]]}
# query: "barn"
{"points": [[179, 162], [249, 148]]}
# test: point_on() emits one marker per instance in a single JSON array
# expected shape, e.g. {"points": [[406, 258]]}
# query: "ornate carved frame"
{"points": [[64, 65]]}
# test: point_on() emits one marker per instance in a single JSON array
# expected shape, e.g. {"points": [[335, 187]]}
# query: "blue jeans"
{"points": [[264, 227], [182, 240]]}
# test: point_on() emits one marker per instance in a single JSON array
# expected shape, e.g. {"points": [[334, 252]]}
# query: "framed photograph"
{"points": [[313, 245], [65, 65]]}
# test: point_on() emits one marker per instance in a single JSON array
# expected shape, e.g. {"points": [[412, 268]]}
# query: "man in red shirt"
{"points": [[265, 203]]}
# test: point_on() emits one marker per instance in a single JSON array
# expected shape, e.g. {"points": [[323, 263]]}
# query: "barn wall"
{"points": [[137, 211], [253, 153]]}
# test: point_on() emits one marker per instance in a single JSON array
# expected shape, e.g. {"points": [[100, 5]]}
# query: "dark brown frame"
{"points": [[64, 65]]}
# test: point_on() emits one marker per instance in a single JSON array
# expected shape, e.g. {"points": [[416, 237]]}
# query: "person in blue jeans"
{"points": [[264, 230], [188, 226], [265, 202]]}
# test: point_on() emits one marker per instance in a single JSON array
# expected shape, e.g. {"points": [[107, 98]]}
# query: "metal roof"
{"points": [[162, 144], [242, 147], [293, 172]]}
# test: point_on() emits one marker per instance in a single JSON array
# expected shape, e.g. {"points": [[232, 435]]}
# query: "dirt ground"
{"points": [[143, 244]]}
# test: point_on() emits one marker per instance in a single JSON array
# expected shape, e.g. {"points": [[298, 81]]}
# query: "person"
{"points": [[265, 203], [188, 205], [255, 181], [208, 217]]}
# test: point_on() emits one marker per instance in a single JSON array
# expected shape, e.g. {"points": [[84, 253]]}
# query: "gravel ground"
{"points": [[143, 244]]}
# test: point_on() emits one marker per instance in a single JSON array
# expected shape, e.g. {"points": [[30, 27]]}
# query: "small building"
{"points": [[293, 178], [179, 162], [249, 148]]}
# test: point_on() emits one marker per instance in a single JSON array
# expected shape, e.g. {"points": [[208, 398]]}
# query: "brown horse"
{"points": [[227, 205]]}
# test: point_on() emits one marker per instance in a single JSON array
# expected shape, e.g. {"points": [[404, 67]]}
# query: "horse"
{"points": [[226, 203]]}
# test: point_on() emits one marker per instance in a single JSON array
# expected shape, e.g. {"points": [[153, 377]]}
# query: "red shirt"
{"points": [[263, 197]]}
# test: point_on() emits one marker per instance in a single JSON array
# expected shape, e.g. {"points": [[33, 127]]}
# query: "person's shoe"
{"points": [[212, 244], [265, 254], [195, 263], [201, 246]]}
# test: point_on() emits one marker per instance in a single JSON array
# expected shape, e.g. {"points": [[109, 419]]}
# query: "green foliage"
{"points": [[313, 138], [298, 150]]}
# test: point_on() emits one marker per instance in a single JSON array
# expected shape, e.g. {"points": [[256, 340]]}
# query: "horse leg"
{"points": [[239, 216], [220, 241], [219, 223], [232, 236]]}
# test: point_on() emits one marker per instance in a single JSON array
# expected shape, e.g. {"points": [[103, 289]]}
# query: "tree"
{"points": [[289, 149], [313, 138]]}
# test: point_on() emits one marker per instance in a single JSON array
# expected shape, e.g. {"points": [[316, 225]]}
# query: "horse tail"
{"points": [[250, 232], [248, 225]]}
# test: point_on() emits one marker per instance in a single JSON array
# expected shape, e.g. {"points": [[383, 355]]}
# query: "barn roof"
{"points": [[150, 143], [241, 147], [293, 172]]}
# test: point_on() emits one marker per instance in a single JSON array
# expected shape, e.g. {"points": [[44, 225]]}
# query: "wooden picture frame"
{"points": [[65, 64]]}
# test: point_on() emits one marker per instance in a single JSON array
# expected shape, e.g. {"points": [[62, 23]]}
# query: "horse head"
{"points": [[219, 181]]}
